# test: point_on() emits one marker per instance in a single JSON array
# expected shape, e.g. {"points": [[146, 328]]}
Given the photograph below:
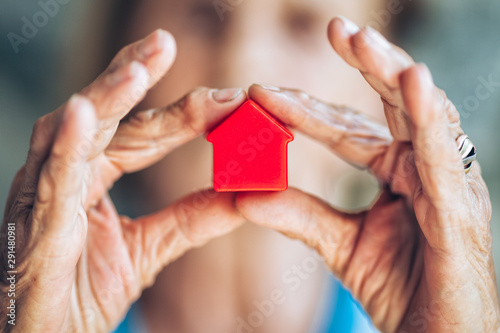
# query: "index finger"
{"points": [[349, 133], [147, 136]]}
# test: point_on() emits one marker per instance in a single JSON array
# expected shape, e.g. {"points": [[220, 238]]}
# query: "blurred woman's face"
{"points": [[278, 42]]}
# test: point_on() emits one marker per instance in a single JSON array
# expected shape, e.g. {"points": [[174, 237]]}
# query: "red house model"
{"points": [[250, 151]]}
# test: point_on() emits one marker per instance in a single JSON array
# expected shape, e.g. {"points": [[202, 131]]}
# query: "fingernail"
{"points": [[226, 95], [151, 44], [268, 87], [349, 26], [377, 38]]}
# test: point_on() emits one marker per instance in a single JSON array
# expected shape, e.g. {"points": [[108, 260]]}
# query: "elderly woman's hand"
{"points": [[79, 265], [420, 259]]}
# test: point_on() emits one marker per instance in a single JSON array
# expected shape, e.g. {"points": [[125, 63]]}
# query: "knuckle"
{"points": [[137, 68], [182, 219], [120, 59], [452, 112], [301, 95], [190, 108], [39, 133], [39, 124], [480, 200], [58, 155], [361, 40], [308, 107], [192, 98]]}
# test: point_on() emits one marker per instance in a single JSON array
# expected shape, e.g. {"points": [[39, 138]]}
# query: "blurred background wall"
{"points": [[458, 39]]}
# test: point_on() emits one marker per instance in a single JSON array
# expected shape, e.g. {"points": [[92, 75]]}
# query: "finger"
{"points": [[147, 136], [358, 248], [60, 188], [301, 216], [114, 92], [436, 154], [350, 134], [158, 239], [58, 223], [379, 62], [45, 128], [131, 73], [369, 52]]}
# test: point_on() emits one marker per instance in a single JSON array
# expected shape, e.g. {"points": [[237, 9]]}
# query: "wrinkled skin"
{"points": [[420, 259], [422, 251], [80, 264]]}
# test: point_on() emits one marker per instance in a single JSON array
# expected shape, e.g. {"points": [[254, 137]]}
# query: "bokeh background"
{"points": [[458, 39]]}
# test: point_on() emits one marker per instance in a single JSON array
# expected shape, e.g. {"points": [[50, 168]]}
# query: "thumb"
{"points": [[158, 239], [304, 217]]}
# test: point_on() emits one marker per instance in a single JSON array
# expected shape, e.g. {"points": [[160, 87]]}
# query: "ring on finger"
{"points": [[467, 151]]}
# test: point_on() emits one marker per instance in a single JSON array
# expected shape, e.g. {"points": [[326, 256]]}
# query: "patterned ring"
{"points": [[467, 151]]}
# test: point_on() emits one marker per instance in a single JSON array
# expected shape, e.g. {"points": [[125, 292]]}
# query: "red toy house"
{"points": [[250, 151]]}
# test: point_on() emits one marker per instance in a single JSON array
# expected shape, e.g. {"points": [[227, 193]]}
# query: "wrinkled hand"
{"points": [[420, 259], [79, 264]]}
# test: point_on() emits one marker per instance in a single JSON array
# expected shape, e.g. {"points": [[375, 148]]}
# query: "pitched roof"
{"points": [[247, 114]]}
